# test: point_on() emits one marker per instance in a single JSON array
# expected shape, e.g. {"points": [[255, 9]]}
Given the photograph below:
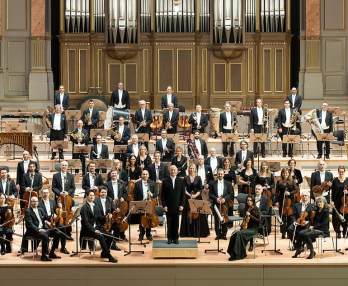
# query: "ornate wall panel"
{"points": [[334, 16], [165, 68], [72, 72], [236, 77], [130, 77]]}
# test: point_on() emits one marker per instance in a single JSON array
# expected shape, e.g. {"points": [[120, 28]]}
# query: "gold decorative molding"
{"points": [[122, 53], [227, 53]]}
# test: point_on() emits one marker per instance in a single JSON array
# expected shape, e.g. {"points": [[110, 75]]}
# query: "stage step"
{"points": [[185, 249]]}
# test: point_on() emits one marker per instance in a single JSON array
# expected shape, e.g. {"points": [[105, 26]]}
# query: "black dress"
{"points": [[181, 165], [248, 178], [146, 162], [230, 176], [239, 240], [337, 195], [5, 232], [265, 181], [193, 227], [134, 174]]}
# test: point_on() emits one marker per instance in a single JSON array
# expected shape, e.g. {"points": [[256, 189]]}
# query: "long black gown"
{"points": [[5, 232], [196, 227]]}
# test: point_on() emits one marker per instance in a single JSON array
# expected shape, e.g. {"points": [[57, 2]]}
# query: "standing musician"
{"points": [[143, 159], [90, 116], [143, 118], [199, 146], [22, 168], [326, 123], [228, 122], [144, 190], [52, 211], [133, 147], [266, 179], [58, 128], [263, 203], [120, 98], [180, 161], [249, 227], [172, 198], [79, 137], [198, 120], [32, 180], [295, 173], [165, 146], [171, 119], [99, 150], [230, 174], [213, 161], [61, 98], [258, 121], [242, 155], [339, 197], [295, 100], [158, 171], [7, 185], [121, 171], [319, 177], [221, 192], [6, 222], [123, 134], [169, 98], [247, 178], [92, 180], [63, 181], [89, 214], [204, 172]]}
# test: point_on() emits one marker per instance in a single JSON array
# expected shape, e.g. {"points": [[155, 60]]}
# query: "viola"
{"points": [[344, 207], [320, 189]]}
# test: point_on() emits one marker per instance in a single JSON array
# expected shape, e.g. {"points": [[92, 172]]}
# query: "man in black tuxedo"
{"points": [[63, 182], [295, 100], [133, 147], [320, 176], [220, 193], [204, 171], [99, 150], [200, 145], [32, 180], [173, 194], [243, 155], [165, 146], [263, 204], [92, 180], [120, 98], [158, 171], [213, 161], [89, 214], [61, 98], [326, 122], [169, 98], [228, 121], [257, 124], [7, 186], [79, 136], [171, 119], [143, 118], [90, 116], [198, 120], [144, 189], [123, 134], [58, 128]]}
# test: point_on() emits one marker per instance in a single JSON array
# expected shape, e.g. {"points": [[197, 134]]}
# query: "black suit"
{"points": [[298, 102], [203, 122], [209, 176], [126, 135], [121, 190], [84, 141], [287, 150], [173, 121], [254, 120], [94, 118], [219, 163], [173, 198], [169, 153], [37, 183], [130, 150], [100, 213], [124, 99], [104, 154], [164, 101], [139, 118], [316, 181], [204, 149], [58, 135], [238, 158], [65, 100], [180, 164], [162, 172], [57, 187], [10, 188], [86, 183], [329, 124], [222, 124], [53, 206], [21, 171]]}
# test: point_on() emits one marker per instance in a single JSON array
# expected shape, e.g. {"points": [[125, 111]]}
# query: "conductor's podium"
{"points": [[185, 249]]}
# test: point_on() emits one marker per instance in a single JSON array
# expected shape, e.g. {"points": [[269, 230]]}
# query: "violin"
{"points": [[304, 216], [344, 207], [320, 189], [9, 218], [246, 219]]}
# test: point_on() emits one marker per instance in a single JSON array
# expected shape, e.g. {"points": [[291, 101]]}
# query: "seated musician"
{"points": [[319, 177], [63, 182], [165, 146], [51, 209], [221, 192], [79, 137], [89, 213], [90, 116], [199, 147], [180, 161], [6, 222], [213, 161], [263, 203], [169, 98], [258, 119], [120, 98], [158, 171], [58, 129], [143, 159], [242, 155], [117, 191], [295, 173], [143, 118], [7, 185], [171, 119], [326, 123], [38, 226], [228, 121], [144, 190], [133, 147], [247, 178], [249, 227], [99, 150], [204, 171], [198, 120], [32, 180], [121, 137], [319, 226], [92, 180]]}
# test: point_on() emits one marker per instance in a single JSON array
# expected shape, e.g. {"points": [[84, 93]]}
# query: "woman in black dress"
{"points": [[133, 170], [180, 162], [143, 159], [265, 178], [193, 227], [230, 175], [5, 230], [295, 173], [249, 227], [247, 178]]}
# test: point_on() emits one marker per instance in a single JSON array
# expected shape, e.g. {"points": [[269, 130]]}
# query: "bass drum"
{"points": [[214, 120]]}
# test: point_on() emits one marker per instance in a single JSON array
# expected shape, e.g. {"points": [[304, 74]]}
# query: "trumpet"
{"points": [[265, 119], [141, 124]]}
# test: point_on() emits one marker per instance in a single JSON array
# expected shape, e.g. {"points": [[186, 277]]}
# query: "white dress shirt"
{"points": [[259, 115], [228, 121], [115, 188], [157, 171], [120, 93], [143, 113], [220, 188], [244, 155], [99, 150], [164, 144], [170, 115], [25, 165], [323, 120], [4, 182], [64, 179], [201, 173], [198, 117], [293, 96], [135, 148], [36, 211], [61, 97], [198, 146], [47, 206], [173, 181], [322, 176], [91, 180], [169, 99], [56, 121], [103, 202], [121, 129], [213, 164], [287, 116], [145, 189]]}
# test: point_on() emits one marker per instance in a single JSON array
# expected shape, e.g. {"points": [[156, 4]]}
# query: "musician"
{"points": [[339, 189], [49, 208], [99, 150], [143, 159], [89, 214], [263, 204], [295, 173], [61, 98], [198, 120], [37, 226], [180, 161], [133, 147], [320, 176], [121, 172], [63, 182], [92, 180], [32, 180], [326, 122], [144, 190], [158, 171], [193, 226], [213, 161], [79, 137], [204, 171], [169, 98], [230, 174], [7, 185], [265, 178], [90, 116], [172, 198], [143, 118], [5, 228], [228, 121], [123, 132], [120, 98], [133, 170], [221, 191], [295, 100], [171, 119], [199, 147], [58, 128], [239, 240], [257, 124], [247, 178], [242, 155], [165, 146]]}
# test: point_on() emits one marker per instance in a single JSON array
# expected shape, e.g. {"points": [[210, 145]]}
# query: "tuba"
{"points": [[313, 120]]}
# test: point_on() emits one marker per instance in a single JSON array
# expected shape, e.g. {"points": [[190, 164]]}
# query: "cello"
{"points": [[67, 213]]}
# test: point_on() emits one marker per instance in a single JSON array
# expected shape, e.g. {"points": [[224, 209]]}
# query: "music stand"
{"points": [[120, 149], [199, 207], [14, 127], [291, 139], [137, 207], [203, 136], [74, 164], [218, 249], [59, 144], [258, 138], [82, 149], [72, 116], [275, 213], [102, 132], [143, 137], [326, 137], [175, 137], [229, 137], [102, 163]]}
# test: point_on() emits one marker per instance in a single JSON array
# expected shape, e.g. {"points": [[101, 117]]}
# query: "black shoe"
{"points": [[176, 241], [52, 157], [224, 237], [3, 252], [112, 259], [327, 157], [297, 253], [115, 247], [312, 254], [141, 237], [251, 248], [64, 251], [125, 239], [69, 238], [263, 156], [149, 237], [103, 255], [8, 249], [54, 256], [45, 258], [169, 241], [284, 155], [319, 156], [230, 259], [283, 236], [339, 235]]}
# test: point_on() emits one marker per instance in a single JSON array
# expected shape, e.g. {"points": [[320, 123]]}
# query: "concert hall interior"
{"points": [[174, 142]]}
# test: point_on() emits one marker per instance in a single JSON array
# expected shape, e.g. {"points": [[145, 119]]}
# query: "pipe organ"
{"points": [[210, 51]]}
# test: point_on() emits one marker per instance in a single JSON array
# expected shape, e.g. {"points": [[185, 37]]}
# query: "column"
{"points": [[40, 77], [2, 83]]}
